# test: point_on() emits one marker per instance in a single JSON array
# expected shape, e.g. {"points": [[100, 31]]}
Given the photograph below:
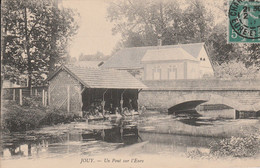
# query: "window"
{"points": [[172, 72], [157, 73]]}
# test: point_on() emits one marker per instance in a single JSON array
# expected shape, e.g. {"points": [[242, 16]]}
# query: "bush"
{"points": [[21, 118], [55, 116], [236, 146], [32, 115]]}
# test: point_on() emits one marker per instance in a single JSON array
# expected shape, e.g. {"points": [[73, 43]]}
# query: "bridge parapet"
{"points": [[203, 84], [241, 100]]}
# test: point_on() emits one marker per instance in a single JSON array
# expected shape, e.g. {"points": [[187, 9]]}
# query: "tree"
{"points": [[253, 57], [36, 35], [99, 56], [219, 50], [236, 70], [141, 23]]}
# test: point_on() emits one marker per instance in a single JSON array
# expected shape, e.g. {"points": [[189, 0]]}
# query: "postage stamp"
{"points": [[244, 21]]}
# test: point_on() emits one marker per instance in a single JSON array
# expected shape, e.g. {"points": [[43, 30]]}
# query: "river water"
{"points": [[98, 137]]}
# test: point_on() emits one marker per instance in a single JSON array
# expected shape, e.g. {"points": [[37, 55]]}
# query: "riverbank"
{"points": [[202, 126], [75, 141]]}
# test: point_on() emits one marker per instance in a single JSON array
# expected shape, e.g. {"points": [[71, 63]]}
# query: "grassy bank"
{"points": [[31, 115], [223, 137]]}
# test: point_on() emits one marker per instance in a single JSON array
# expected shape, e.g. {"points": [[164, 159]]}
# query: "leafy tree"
{"points": [[219, 50], [141, 23], [235, 70], [99, 56], [36, 35], [253, 55]]}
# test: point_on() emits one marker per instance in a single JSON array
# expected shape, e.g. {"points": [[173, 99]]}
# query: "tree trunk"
{"points": [[3, 48], [27, 47], [53, 40]]}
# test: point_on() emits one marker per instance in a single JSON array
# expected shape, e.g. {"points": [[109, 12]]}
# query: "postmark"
{"points": [[244, 21]]}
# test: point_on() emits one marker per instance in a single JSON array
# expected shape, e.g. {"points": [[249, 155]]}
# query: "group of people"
{"points": [[95, 109]]}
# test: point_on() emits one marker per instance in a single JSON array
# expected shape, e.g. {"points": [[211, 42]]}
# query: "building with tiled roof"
{"points": [[183, 61], [78, 89]]}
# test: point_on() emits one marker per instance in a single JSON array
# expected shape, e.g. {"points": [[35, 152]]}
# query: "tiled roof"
{"points": [[167, 54], [102, 78], [129, 58]]}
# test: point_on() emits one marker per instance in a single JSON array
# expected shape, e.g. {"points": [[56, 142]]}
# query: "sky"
{"points": [[94, 33]]}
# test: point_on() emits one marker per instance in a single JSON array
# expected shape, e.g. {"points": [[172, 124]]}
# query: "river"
{"points": [[163, 134]]}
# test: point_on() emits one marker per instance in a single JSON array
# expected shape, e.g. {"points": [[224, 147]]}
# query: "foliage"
{"points": [[36, 35], [55, 116], [141, 23], [253, 56], [236, 147], [236, 69], [229, 147], [21, 118], [99, 56], [32, 115], [218, 49]]}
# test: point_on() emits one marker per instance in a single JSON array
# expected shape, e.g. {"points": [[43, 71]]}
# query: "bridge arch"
{"points": [[193, 100]]}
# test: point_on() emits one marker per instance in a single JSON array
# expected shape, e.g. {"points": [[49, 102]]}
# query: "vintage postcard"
{"points": [[130, 83]]}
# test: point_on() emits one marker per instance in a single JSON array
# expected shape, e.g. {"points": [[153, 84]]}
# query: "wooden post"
{"points": [[103, 102], [122, 101], [45, 98], [68, 99], [36, 92], [21, 97], [103, 107], [80, 102], [43, 93], [49, 96], [121, 105], [13, 94]]}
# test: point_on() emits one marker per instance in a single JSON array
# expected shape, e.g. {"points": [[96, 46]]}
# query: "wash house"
{"points": [[79, 90]]}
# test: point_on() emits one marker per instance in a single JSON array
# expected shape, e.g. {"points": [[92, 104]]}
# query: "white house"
{"points": [[172, 62]]}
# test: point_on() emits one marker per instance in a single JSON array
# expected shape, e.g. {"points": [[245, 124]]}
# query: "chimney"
{"points": [[159, 41]]}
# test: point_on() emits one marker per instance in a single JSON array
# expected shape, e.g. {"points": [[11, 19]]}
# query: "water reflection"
{"points": [[79, 140], [98, 137], [122, 132]]}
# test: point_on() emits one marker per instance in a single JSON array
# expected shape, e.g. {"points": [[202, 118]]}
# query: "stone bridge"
{"points": [[242, 95]]}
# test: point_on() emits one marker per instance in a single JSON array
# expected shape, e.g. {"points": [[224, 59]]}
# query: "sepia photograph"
{"points": [[130, 84]]}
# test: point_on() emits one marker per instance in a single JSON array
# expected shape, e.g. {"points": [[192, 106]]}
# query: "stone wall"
{"points": [[169, 98], [240, 95]]}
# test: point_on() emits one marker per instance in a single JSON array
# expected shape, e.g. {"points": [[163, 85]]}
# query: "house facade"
{"points": [[172, 62]]}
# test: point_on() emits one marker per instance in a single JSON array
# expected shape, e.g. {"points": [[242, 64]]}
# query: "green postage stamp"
{"points": [[244, 21]]}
